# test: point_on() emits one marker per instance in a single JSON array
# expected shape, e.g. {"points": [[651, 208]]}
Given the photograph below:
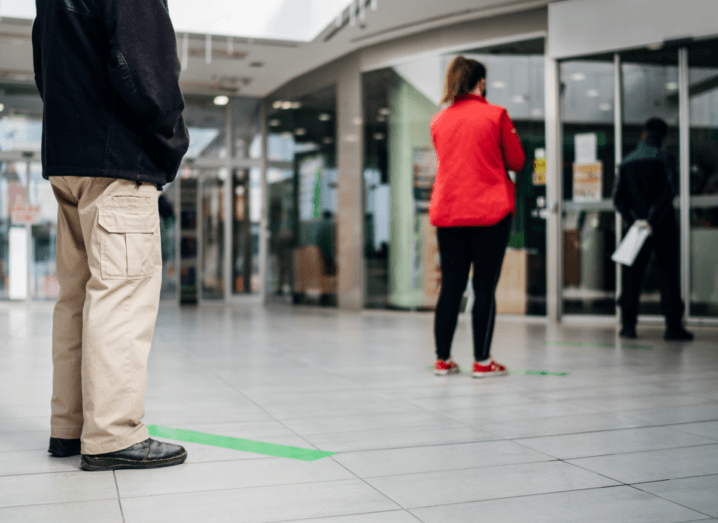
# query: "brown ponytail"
{"points": [[462, 77]]}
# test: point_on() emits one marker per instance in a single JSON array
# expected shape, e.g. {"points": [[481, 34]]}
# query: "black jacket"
{"points": [[647, 183], [107, 71]]}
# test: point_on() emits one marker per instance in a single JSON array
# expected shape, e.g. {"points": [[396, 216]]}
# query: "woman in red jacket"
{"points": [[472, 206]]}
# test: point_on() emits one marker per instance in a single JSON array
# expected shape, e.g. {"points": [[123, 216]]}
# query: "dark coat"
{"points": [[108, 74], [647, 183]]}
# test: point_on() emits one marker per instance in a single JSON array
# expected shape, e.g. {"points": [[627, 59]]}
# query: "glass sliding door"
{"points": [[587, 107], [302, 180], [703, 102], [650, 90]]}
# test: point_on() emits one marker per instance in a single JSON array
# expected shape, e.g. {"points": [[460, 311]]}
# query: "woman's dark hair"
{"points": [[462, 77]]}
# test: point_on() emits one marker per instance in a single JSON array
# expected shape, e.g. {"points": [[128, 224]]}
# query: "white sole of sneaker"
{"points": [[480, 375], [445, 372]]}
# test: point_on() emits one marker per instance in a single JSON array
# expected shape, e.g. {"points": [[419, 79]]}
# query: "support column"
{"points": [[350, 213], [554, 193], [227, 189], [684, 130], [264, 213], [618, 155]]}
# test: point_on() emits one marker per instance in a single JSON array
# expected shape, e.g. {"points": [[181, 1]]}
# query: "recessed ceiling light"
{"points": [[221, 100], [518, 99], [2, 107], [286, 105], [277, 104], [381, 118], [593, 93], [605, 107], [300, 132], [385, 111], [536, 112], [296, 105], [325, 117], [672, 86], [498, 84], [274, 123], [578, 77], [328, 140], [379, 136]]}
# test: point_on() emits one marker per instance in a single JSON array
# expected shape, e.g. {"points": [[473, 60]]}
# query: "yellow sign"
{"points": [[587, 182], [540, 171]]}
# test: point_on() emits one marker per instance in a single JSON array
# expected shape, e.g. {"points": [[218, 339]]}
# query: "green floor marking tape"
{"points": [[599, 345], [257, 447]]}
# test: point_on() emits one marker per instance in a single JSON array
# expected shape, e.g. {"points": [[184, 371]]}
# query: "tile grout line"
{"points": [[670, 501], [119, 499]]}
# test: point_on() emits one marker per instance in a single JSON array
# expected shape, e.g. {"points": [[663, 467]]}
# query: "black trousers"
{"points": [[459, 248], [665, 243]]}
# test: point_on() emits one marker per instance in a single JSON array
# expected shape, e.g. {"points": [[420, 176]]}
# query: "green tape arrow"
{"points": [[257, 447]]}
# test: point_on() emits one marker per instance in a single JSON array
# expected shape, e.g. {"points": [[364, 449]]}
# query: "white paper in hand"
{"points": [[631, 245]]}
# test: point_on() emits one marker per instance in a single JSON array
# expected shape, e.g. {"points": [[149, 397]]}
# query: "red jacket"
{"points": [[475, 143]]}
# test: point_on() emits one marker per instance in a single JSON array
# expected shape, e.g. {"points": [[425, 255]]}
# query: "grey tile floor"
{"points": [[630, 435]]}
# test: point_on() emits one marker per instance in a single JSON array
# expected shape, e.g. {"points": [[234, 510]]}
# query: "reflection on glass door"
{"points": [[589, 225], [212, 210], [302, 197], [650, 90], [703, 95]]}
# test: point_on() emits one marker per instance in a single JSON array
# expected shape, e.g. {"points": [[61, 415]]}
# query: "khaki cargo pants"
{"points": [[109, 267]]}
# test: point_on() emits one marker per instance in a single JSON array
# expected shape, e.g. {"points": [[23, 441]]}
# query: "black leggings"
{"points": [[459, 248]]}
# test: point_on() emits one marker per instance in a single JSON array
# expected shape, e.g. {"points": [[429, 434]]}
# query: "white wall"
{"points": [[583, 27]]}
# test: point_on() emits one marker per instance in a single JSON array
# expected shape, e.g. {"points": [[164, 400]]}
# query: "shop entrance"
{"points": [[604, 103]]}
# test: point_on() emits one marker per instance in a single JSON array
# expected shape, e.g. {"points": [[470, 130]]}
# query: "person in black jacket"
{"points": [[646, 186], [113, 135]]}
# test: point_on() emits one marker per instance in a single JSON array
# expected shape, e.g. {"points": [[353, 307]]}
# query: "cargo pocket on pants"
{"points": [[129, 240]]}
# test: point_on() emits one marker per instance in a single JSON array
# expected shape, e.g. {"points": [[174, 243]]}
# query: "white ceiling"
{"points": [[279, 60], [276, 19]]}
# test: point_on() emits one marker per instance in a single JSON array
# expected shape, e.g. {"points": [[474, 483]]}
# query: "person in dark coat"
{"points": [[646, 186]]}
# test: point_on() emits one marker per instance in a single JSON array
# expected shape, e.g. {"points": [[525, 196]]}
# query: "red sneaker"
{"points": [[442, 368], [492, 369]]}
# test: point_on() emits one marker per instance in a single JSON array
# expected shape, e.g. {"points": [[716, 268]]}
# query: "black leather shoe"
{"points": [[629, 332], [678, 334], [148, 454], [63, 448]]}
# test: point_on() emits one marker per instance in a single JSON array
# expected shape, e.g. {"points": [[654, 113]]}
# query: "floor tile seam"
{"points": [[610, 430], [119, 500], [429, 445], [422, 426], [549, 493], [622, 483], [58, 503], [622, 412], [712, 444], [458, 469], [453, 425], [339, 452], [671, 501], [204, 491], [343, 515], [638, 483]]}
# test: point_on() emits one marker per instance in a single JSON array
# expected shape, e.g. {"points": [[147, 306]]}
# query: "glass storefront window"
{"points": [[303, 199], [402, 260], [703, 95]]}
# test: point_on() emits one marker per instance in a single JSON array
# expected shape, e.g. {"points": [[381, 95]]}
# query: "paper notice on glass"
{"points": [[631, 245]]}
